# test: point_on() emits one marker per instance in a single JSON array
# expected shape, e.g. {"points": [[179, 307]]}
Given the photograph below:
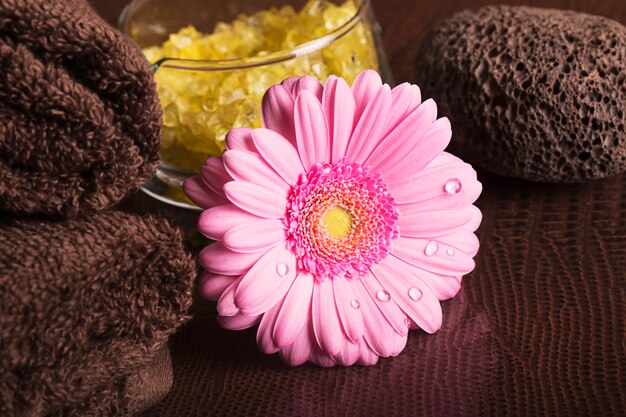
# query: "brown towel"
{"points": [[80, 121], [148, 386], [84, 305], [128, 395]]}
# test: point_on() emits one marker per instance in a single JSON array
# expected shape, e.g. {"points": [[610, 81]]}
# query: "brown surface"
{"points": [[538, 328]]}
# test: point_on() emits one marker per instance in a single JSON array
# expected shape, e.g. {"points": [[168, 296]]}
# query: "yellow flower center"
{"points": [[337, 222]]}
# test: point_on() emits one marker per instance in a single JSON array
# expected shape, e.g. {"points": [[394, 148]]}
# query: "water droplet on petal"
{"points": [[450, 252], [453, 186], [355, 304], [383, 296], [282, 269], [407, 322], [431, 248], [415, 294]]}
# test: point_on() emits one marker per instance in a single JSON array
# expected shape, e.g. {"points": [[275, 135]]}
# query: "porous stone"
{"points": [[532, 93]]}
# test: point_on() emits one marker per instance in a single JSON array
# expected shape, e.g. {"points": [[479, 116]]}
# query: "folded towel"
{"points": [[128, 395], [80, 120], [148, 386], [83, 303]]}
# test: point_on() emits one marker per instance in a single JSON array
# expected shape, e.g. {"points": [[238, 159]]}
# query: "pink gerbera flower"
{"points": [[340, 224]]}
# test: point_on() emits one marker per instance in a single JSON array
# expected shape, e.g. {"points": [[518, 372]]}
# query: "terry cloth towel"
{"points": [[146, 387], [80, 120], [83, 303], [128, 395]]}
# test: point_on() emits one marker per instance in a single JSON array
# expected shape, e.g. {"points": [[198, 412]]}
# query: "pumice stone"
{"points": [[532, 93]]}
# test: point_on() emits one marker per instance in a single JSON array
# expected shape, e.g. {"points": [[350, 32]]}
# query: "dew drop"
{"points": [[415, 293], [383, 296], [431, 248], [453, 186], [450, 252], [355, 304], [282, 269], [407, 322]]}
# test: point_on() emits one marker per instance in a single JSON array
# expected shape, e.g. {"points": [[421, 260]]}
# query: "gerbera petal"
{"points": [[267, 281], [364, 88], [226, 303], [255, 236], [264, 338], [198, 192], [279, 154], [309, 84], [410, 293], [328, 331], [463, 240], [443, 286], [404, 137], [406, 98], [348, 354], [212, 286], [238, 321], [277, 112], [240, 138], [290, 82], [219, 259], [433, 256], [300, 350], [442, 186], [476, 219], [256, 198], [248, 166], [369, 128], [321, 358], [400, 343], [348, 309], [434, 141], [311, 130], [214, 174], [385, 303], [432, 223], [216, 221], [295, 311], [467, 195], [338, 104], [376, 329], [445, 158], [367, 357]]}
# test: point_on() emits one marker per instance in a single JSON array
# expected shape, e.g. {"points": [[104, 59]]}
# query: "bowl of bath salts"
{"points": [[214, 60]]}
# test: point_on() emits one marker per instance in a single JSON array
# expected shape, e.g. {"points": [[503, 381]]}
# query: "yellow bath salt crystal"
{"points": [[200, 107]]}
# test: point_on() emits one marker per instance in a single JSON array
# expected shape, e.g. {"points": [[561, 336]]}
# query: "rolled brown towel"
{"points": [[85, 303], [80, 120], [129, 394]]}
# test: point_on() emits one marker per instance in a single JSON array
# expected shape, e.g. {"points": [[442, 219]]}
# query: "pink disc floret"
{"points": [[364, 197]]}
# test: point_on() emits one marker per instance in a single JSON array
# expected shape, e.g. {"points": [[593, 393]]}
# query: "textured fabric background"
{"points": [[538, 328]]}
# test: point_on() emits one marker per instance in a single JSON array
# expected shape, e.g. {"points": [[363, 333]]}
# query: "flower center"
{"points": [[340, 220], [337, 222]]}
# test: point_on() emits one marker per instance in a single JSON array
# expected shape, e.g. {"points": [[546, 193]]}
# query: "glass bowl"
{"points": [[204, 98]]}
